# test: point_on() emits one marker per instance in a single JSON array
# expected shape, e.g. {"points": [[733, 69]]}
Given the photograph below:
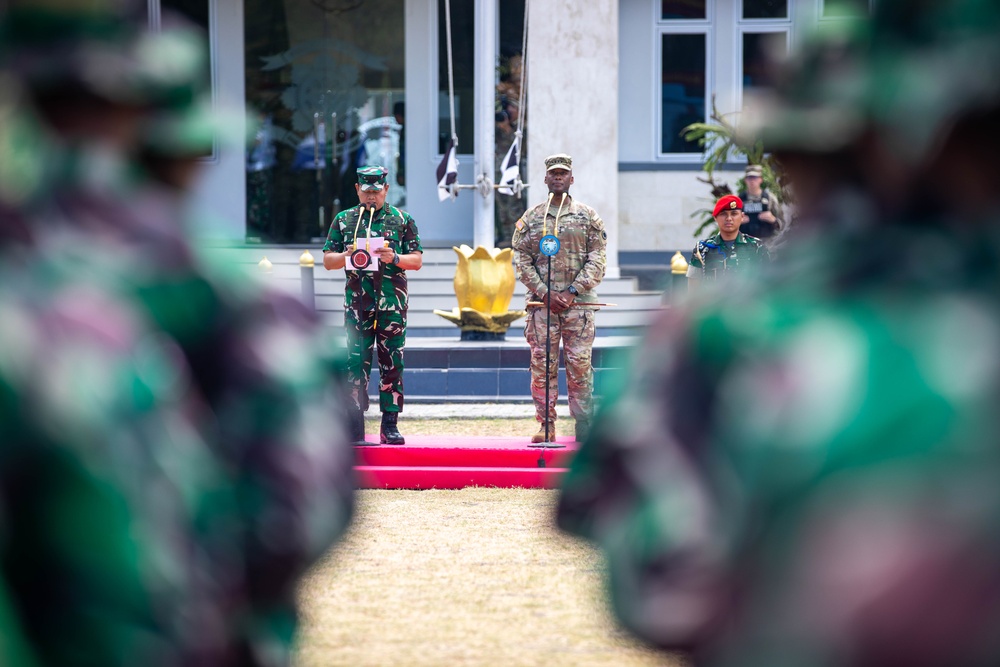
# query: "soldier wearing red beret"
{"points": [[728, 250]]}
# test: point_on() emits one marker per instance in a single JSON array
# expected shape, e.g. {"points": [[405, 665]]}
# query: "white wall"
{"points": [[655, 208], [572, 79], [221, 193]]}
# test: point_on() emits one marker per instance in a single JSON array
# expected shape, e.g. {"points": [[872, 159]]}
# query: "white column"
{"points": [[573, 102], [485, 143]]}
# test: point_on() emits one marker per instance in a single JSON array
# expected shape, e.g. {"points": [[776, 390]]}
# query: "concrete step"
{"points": [[442, 370], [431, 288]]}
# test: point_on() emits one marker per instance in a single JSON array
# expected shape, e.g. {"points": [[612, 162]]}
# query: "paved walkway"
{"points": [[471, 410]]}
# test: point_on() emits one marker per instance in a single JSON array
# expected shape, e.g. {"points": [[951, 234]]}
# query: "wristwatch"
{"points": [[395, 258], [572, 290]]}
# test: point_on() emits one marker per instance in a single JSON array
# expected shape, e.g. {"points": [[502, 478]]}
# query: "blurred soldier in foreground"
{"points": [[806, 474], [195, 419]]}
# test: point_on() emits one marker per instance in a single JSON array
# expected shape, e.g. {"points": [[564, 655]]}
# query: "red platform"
{"points": [[450, 462]]}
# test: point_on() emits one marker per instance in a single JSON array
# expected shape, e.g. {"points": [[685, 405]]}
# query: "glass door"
{"points": [[326, 81]]}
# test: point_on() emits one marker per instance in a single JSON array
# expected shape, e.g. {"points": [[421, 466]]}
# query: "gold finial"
{"points": [[265, 265], [678, 265], [306, 259]]}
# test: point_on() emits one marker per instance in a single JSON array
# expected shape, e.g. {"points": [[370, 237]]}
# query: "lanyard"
{"points": [[545, 220], [368, 233]]}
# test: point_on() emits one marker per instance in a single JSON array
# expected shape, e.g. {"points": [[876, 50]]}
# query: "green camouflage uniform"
{"points": [[803, 472], [710, 257], [580, 262], [375, 302], [103, 478], [264, 473]]}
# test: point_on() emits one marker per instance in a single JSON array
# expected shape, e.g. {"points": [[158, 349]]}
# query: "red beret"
{"points": [[726, 203]]}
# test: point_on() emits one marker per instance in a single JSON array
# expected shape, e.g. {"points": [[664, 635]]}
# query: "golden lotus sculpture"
{"points": [[484, 285]]}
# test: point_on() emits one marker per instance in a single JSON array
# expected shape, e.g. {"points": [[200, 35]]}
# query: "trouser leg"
{"points": [[361, 340], [535, 334], [390, 341], [578, 345]]}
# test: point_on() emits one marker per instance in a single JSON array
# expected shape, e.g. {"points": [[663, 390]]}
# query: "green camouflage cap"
{"points": [[184, 119], [372, 178], [100, 46], [906, 74]]}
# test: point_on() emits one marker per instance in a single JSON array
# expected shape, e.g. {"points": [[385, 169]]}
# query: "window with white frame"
{"points": [[684, 47], [713, 49], [765, 28]]}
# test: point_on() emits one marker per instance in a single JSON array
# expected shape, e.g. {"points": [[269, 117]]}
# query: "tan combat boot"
{"points": [[540, 436]]}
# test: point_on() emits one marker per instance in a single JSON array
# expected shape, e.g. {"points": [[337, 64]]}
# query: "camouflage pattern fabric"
{"points": [[268, 384], [378, 296], [575, 328], [710, 257], [796, 476], [582, 250], [386, 333], [256, 452], [384, 288], [580, 262], [103, 479]]}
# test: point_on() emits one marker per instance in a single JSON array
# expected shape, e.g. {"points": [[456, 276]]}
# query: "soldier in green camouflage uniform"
{"points": [[577, 269], [103, 480], [728, 251], [257, 375], [804, 472], [375, 301]]}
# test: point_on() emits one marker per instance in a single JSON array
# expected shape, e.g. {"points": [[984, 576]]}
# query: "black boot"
{"points": [[357, 427], [390, 435]]}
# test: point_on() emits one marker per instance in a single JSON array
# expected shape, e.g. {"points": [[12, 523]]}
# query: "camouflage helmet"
{"points": [[183, 118], [104, 48], [56, 45], [907, 74]]}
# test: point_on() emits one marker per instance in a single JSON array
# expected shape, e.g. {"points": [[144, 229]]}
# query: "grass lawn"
{"points": [[478, 576]]}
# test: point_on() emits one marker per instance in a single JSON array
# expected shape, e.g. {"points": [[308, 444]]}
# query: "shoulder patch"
{"points": [[604, 235], [519, 225]]}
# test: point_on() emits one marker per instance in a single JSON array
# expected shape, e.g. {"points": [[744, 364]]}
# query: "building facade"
{"points": [[333, 84]]}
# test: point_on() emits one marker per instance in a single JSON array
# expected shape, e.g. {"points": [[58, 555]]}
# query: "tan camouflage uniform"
{"points": [[580, 262]]}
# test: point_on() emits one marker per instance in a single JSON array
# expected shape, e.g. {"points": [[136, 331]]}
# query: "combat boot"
{"points": [[356, 427], [582, 429], [540, 436], [389, 434]]}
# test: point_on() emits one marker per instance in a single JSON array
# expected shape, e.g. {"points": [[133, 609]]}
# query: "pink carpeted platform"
{"points": [[451, 462]]}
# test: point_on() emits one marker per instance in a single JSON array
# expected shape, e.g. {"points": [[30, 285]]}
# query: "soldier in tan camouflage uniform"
{"points": [[577, 269]]}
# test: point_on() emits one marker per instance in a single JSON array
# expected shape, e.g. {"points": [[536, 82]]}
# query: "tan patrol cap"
{"points": [[559, 161]]}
